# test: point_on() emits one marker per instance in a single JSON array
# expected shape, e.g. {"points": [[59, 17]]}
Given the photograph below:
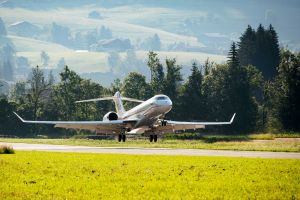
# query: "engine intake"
{"points": [[110, 116]]}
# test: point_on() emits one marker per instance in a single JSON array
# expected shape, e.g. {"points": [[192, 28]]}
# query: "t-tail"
{"points": [[118, 100], [119, 104]]}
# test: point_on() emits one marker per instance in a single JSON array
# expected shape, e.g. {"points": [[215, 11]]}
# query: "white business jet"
{"points": [[144, 119]]}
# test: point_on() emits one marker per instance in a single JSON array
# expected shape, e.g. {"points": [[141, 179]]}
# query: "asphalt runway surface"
{"points": [[150, 151]]}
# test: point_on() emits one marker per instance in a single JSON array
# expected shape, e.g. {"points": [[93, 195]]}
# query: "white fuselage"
{"points": [[149, 111]]}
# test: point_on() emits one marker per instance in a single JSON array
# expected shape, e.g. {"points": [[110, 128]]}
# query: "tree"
{"points": [[191, 98], [61, 63], [67, 92], [44, 58], [173, 78], [135, 86], [260, 49], [2, 28], [8, 122], [116, 86], [273, 51], [23, 62], [8, 71], [230, 88], [91, 37], [247, 48], [283, 95], [18, 91], [105, 33], [157, 73], [155, 43], [151, 43], [172, 83], [95, 15], [233, 60], [60, 34], [37, 92], [8, 62], [208, 65], [114, 60]]}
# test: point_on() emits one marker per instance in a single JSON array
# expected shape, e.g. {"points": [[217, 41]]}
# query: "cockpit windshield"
{"points": [[160, 98]]}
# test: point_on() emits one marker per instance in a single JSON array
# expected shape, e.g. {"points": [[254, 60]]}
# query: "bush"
{"points": [[6, 150]]}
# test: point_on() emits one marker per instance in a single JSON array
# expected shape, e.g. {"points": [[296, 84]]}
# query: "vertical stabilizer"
{"points": [[119, 104]]}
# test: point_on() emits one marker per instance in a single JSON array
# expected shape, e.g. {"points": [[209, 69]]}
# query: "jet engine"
{"points": [[110, 116]]}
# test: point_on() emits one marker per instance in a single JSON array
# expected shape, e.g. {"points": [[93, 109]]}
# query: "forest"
{"points": [[260, 82]]}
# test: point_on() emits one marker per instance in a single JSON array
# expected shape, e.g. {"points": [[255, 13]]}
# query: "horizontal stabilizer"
{"points": [[110, 98]]}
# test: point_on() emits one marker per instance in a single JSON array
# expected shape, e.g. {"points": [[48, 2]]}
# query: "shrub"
{"points": [[6, 150]]}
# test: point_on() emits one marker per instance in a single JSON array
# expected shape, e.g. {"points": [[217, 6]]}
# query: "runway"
{"points": [[150, 151]]}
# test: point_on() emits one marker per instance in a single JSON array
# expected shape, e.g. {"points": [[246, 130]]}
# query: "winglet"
{"points": [[232, 118], [19, 117]]}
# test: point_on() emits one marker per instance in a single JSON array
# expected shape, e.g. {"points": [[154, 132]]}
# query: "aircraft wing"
{"points": [[172, 126], [114, 126]]}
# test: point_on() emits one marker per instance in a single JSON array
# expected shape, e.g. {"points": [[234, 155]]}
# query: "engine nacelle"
{"points": [[110, 116]]}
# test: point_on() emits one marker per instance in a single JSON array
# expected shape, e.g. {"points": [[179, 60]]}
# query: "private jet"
{"points": [[143, 119]]}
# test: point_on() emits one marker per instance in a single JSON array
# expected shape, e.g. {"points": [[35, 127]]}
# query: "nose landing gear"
{"points": [[153, 138]]}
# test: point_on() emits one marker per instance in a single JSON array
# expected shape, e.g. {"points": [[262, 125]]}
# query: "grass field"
{"points": [[244, 143], [41, 175]]}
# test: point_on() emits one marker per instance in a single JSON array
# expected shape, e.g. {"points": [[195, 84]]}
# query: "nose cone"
{"points": [[163, 102], [170, 102], [168, 105]]}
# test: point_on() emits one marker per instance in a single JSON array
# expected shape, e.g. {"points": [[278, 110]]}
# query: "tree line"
{"points": [[264, 95]]}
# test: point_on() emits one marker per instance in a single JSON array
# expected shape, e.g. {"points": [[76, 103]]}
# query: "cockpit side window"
{"points": [[160, 98]]}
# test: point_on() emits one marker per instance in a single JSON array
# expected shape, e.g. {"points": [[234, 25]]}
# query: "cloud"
{"points": [[235, 13], [216, 35]]}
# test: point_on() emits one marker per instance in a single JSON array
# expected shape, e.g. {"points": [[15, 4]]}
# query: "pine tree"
{"points": [[172, 84], [173, 78], [191, 96], [229, 89], [246, 47], [260, 49], [274, 57], [233, 59]]}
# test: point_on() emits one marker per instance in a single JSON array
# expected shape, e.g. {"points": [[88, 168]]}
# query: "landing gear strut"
{"points": [[153, 138], [119, 138], [122, 136]]}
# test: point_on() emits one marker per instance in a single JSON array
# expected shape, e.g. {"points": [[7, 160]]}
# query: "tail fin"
{"points": [[118, 103], [117, 98]]}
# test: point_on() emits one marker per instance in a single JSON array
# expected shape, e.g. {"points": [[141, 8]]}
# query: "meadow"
{"points": [[44, 175], [254, 142]]}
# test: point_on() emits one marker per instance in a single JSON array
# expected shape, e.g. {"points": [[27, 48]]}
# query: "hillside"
{"points": [[88, 62], [77, 20]]}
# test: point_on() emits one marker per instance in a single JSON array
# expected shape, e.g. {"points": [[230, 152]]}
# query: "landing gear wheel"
{"points": [[124, 138], [119, 138], [155, 138], [151, 138]]}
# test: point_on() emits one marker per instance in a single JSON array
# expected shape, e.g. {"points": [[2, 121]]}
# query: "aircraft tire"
{"points": [[119, 138], [155, 138], [123, 137], [151, 138]]}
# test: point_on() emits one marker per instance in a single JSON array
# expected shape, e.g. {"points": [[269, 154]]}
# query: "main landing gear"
{"points": [[122, 137], [153, 138]]}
